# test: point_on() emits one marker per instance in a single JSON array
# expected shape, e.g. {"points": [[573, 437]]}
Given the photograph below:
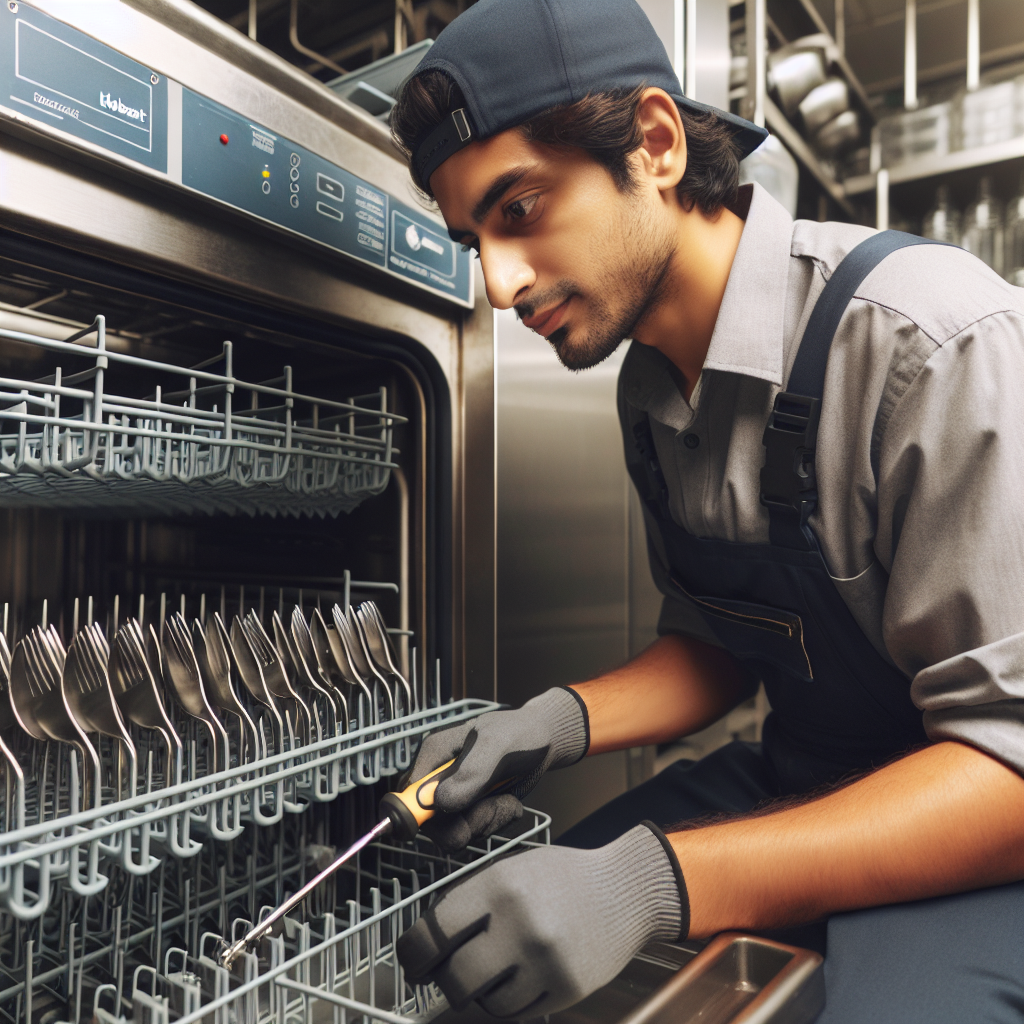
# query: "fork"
{"points": [[309, 664], [382, 654], [135, 689], [215, 668], [181, 673], [274, 673], [361, 663], [39, 705], [41, 657], [86, 686]]}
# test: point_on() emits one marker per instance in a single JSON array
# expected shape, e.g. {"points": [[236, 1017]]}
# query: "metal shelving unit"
{"points": [[797, 21], [931, 167], [781, 23]]}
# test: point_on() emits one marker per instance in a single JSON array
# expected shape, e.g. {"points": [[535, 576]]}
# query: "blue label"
{"points": [[69, 81]]}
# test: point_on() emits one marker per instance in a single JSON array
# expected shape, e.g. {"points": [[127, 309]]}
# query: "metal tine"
{"points": [[24, 693], [273, 670], [249, 669], [86, 686], [181, 672], [7, 718], [310, 664], [215, 669], [378, 645], [297, 677], [328, 637], [44, 660], [350, 636], [252, 675], [135, 689]]}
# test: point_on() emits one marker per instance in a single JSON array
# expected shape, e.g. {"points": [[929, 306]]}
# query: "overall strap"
{"points": [[789, 487]]}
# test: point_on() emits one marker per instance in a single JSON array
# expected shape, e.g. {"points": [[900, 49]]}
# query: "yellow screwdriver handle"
{"points": [[409, 809]]}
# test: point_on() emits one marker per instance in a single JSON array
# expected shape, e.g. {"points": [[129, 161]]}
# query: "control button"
{"points": [[296, 159], [223, 140], [294, 200], [294, 173], [330, 187], [266, 170], [329, 211], [266, 188], [691, 440]]}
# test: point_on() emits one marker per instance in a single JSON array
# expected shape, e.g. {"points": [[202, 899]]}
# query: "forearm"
{"points": [[944, 819], [677, 686]]}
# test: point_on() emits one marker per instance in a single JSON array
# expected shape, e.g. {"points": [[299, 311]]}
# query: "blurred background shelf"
{"points": [[931, 167]]}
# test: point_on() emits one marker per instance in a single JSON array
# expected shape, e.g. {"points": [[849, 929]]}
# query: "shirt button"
{"points": [[691, 440]]}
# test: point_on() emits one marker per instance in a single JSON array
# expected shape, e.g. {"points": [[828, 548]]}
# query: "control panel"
{"points": [[68, 82]]}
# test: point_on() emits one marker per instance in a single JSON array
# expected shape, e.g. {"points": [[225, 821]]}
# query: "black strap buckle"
{"points": [[789, 485]]}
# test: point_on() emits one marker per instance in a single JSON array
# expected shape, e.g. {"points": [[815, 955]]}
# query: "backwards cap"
{"points": [[514, 59]]}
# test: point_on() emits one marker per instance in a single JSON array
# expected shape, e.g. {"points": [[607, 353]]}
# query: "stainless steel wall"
{"points": [[575, 596]]}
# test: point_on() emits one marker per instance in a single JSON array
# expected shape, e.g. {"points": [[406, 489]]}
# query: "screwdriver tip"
{"points": [[230, 955]]}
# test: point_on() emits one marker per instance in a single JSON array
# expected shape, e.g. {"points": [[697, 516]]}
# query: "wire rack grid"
{"points": [[349, 968], [179, 818], [69, 442]]}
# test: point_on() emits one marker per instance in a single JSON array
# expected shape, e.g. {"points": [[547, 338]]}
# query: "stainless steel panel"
{"points": [[94, 204], [575, 597]]}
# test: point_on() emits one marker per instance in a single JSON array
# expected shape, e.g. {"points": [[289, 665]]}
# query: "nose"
{"points": [[507, 275]]}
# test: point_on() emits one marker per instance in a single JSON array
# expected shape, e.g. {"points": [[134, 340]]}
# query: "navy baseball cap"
{"points": [[514, 59]]}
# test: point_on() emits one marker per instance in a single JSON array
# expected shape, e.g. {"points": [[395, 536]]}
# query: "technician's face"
{"points": [[579, 260]]}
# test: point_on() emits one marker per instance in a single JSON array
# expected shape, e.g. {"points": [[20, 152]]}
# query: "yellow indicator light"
{"points": [[266, 174]]}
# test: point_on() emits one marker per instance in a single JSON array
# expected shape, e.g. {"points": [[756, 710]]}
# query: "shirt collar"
{"points": [[748, 336], [749, 332]]}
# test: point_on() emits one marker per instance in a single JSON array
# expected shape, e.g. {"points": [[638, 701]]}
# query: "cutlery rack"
{"points": [[192, 445], [154, 958], [178, 819]]}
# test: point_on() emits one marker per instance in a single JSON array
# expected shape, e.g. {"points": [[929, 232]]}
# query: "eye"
{"points": [[521, 208]]}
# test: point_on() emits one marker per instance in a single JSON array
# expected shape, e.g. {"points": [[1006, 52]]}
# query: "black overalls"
{"points": [[838, 708]]}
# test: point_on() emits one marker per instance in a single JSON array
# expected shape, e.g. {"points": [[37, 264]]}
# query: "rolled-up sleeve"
{"points": [[951, 533]]}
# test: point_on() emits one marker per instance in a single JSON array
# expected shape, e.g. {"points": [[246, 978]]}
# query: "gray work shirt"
{"points": [[920, 456]]}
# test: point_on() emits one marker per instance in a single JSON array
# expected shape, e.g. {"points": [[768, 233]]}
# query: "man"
{"points": [[833, 507]]}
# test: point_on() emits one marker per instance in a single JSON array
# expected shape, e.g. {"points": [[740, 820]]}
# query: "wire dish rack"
{"points": [[67, 441], [321, 965], [124, 909], [135, 835]]}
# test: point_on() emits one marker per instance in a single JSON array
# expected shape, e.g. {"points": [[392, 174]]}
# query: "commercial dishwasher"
{"points": [[246, 405]]}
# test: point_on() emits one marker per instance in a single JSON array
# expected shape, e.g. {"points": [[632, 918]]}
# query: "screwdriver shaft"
{"points": [[258, 931]]}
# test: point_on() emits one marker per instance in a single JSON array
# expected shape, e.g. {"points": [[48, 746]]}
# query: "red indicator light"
{"points": [[223, 140]]}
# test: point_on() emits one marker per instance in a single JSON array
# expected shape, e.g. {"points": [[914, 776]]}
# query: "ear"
{"points": [[662, 153]]}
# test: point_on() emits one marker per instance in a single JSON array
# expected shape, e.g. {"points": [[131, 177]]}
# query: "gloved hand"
{"points": [[537, 931], [550, 731]]}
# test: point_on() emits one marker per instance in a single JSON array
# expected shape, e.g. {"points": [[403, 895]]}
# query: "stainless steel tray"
{"points": [[735, 979], [740, 979]]}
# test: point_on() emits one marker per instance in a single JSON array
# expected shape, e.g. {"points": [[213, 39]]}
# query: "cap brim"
{"points": [[748, 135]]}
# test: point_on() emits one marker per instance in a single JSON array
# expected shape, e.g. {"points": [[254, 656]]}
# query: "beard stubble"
{"points": [[630, 285]]}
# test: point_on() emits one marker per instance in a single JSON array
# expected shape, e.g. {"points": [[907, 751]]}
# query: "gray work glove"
{"points": [[535, 932], [550, 731]]}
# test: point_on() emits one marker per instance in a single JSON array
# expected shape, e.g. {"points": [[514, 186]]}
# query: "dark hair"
{"points": [[606, 125]]}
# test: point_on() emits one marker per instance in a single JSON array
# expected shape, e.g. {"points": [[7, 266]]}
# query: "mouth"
{"points": [[548, 322]]}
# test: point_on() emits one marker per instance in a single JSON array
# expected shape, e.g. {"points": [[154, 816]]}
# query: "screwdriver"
{"points": [[403, 815]]}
